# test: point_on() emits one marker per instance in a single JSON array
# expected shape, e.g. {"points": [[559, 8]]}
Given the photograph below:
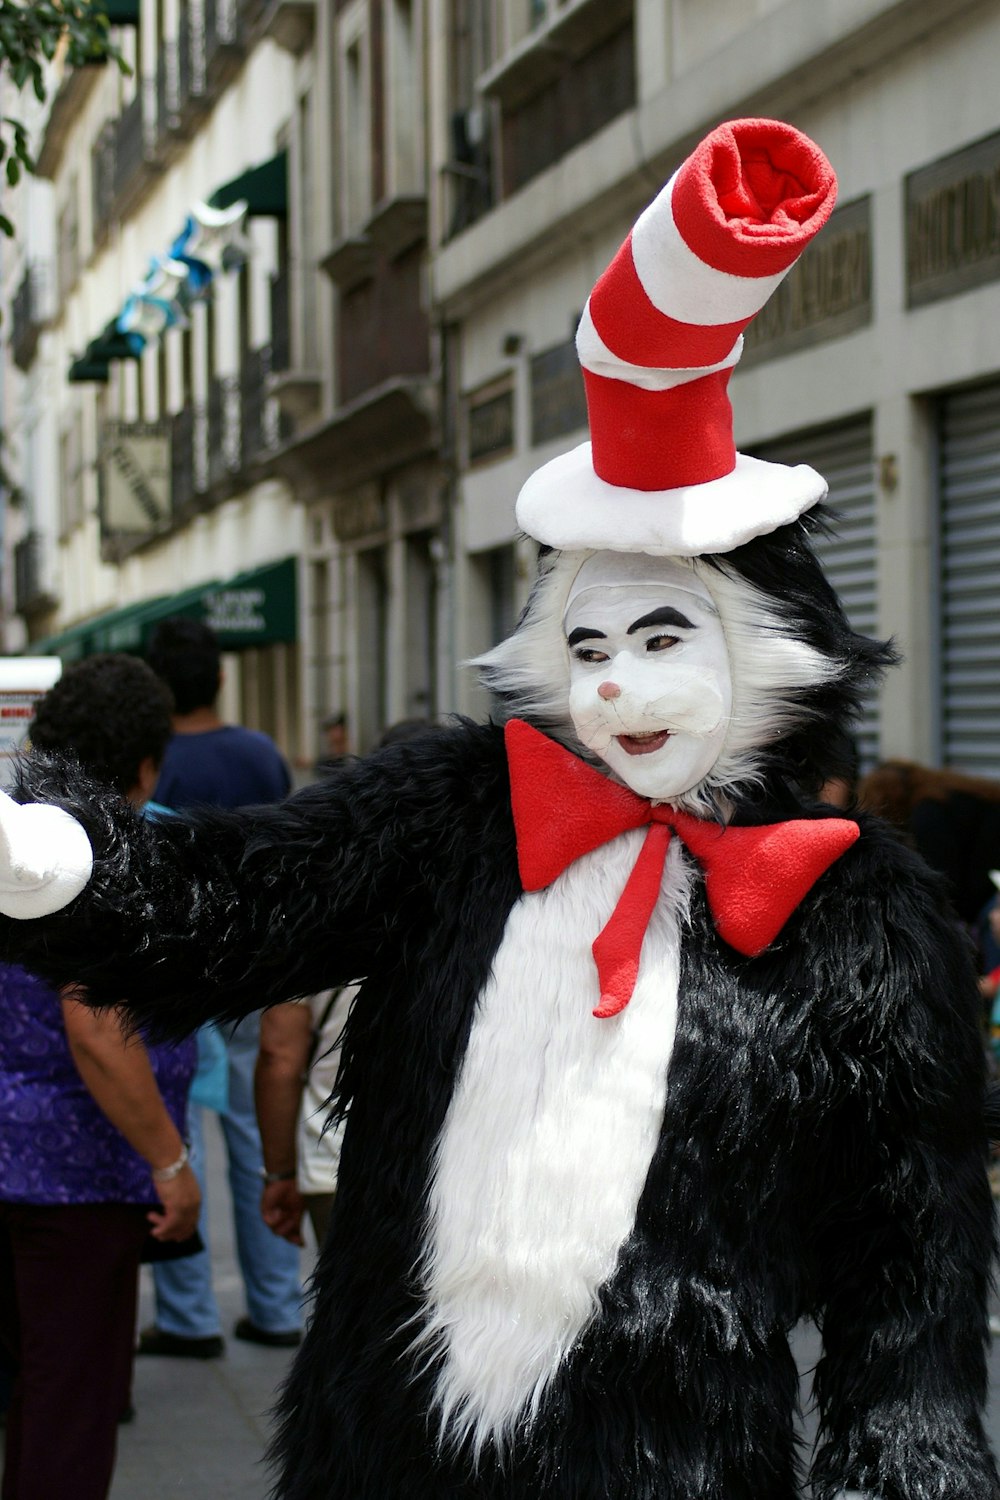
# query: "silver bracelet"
{"points": [[167, 1174], [270, 1177]]}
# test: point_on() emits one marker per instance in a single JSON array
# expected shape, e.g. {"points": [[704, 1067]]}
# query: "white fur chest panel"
{"points": [[547, 1142]]}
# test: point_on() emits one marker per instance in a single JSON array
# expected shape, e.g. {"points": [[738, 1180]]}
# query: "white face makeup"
{"points": [[650, 686]]}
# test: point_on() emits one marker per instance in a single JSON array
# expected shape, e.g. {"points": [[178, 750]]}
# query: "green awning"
{"points": [[118, 12], [108, 345], [255, 608], [86, 369], [70, 645], [265, 189]]}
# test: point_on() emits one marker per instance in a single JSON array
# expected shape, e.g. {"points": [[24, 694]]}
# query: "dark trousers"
{"points": [[68, 1288]]}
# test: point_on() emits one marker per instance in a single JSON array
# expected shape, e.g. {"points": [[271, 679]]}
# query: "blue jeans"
{"points": [[185, 1301]]}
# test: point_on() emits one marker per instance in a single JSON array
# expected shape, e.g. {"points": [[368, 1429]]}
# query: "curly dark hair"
{"points": [[185, 653], [110, 713]]}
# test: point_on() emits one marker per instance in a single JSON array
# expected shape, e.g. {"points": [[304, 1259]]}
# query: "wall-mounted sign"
{"points": [[359, 513], [23, 680], [135, 477], [558, 401], [489, 423], [419, 503], [826, 294], [953, 223]]}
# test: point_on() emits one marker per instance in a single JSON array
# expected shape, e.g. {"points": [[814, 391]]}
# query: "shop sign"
{"points": [[489, 423], [135, 477], [826, 294], [254, 609], [23, 681], [558, 401], [953, 223]]}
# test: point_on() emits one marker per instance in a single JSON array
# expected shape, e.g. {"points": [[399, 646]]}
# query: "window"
{"points": [[403, 94], [355, 123]]}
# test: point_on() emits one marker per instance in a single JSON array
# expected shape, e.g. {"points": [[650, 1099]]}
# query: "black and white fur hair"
{"points": [[799, 672]]}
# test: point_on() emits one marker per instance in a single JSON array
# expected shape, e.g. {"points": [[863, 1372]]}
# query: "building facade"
{"points": [[876, 362], [137, 383], [432, 187]]}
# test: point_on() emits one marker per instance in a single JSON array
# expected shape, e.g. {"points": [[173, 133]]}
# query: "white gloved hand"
{"points": [[45, 859]]}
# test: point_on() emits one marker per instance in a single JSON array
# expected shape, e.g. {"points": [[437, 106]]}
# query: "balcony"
{"points": [[281, 321], [183, 481], [31, 596], [250, 14], [102, 179], [223, 41], [290, 24], [134, 154], [540, 59], [167, 94], [254, 434], [28, 313], [397, 223], [349, 262], [297, 391], [224, 434]]}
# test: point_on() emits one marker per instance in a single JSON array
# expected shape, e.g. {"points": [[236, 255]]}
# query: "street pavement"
{"points": [[201, 1426]]}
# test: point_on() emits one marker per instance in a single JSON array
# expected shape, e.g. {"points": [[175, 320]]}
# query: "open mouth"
{"points": [[643, 744]]}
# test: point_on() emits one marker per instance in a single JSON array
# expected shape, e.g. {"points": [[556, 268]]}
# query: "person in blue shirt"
{"points": [[209, 763]]}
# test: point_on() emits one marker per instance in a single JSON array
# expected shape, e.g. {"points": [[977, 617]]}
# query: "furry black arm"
{"points": [[214, 914], [902, 1221]]}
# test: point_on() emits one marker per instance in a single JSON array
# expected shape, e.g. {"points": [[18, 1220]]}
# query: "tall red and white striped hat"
{"points": [[658, 340]]}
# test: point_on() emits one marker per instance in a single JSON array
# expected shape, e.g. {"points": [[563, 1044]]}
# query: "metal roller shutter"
{"points": [[843, 455], [969, 477]]}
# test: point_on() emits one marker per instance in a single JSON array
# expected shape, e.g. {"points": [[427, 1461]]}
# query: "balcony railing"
{"points": [[223, 428], [102, 177], [133, 145], [190, 57], [250, 12], [222, 39], [180, 79], [30, 593], [167, 88], [28, 314], [253, 403], [183, 486]]}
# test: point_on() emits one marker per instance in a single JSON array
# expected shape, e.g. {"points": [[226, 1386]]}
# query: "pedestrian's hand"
{"points": [[45, 859], [281, 1208], [181, 1202]]}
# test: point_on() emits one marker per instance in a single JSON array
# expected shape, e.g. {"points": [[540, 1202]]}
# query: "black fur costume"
{"points": [[821, 1149]]}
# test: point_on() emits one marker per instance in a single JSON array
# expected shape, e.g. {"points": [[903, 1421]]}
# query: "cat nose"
{"points": [[609, 690]]}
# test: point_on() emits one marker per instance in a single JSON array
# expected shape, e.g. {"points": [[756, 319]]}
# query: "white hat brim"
{"points": [[565, 505]]}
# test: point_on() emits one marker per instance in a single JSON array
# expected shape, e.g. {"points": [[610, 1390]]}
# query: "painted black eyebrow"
{"points": [[584, 633], [664, 616]]}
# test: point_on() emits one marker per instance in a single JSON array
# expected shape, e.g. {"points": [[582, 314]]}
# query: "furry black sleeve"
{"points": [[902, 1224], [213, 914]]}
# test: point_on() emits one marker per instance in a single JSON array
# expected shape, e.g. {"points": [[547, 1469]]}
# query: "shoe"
{"points": [[994, 1325], [251, 1334], [153, 1340]]}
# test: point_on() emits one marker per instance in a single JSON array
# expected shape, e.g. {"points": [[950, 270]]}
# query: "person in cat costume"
{"points": [[653, 1056]]}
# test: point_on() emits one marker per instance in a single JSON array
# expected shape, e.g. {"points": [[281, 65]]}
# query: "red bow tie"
{"points": [[754, 877]]}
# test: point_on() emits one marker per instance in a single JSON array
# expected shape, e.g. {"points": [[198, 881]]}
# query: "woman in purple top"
{"points": [[92, 1155]]}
